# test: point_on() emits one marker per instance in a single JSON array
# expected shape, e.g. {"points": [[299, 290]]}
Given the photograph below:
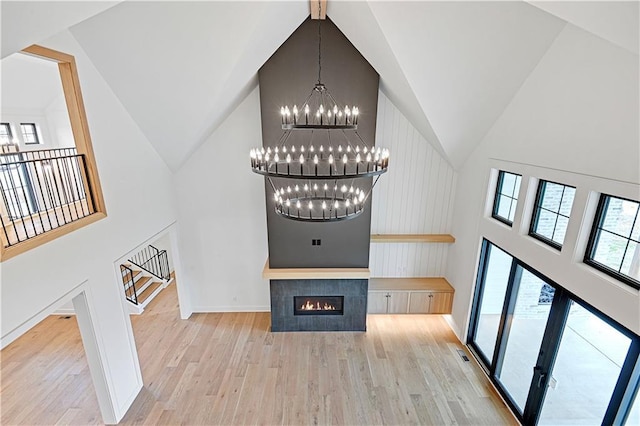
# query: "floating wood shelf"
{"points": [[412, 238], [438, 284], [312, 273]]}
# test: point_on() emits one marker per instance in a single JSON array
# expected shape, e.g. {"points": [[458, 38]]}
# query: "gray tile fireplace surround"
{"points": [[355, 304]]}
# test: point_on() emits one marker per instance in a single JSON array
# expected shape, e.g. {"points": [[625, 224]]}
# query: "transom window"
{"points": [[504, 205], [552, 211], [5, 133], [614, 245], [29, 133]]}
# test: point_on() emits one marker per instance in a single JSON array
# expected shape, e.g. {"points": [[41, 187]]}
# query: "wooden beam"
{"points": [[314, 5]]}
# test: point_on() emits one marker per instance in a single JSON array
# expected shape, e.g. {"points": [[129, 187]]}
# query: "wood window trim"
{"points": [[80, 129]]}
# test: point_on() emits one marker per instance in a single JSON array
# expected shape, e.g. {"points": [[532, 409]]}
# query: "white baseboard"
{"points": [[64, 311], [207, 309]]}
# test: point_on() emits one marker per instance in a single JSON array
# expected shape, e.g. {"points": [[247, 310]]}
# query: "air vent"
{"points": [[463, 355]]}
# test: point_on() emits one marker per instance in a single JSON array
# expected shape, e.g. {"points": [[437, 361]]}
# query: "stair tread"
{"points": [[148, 291]]}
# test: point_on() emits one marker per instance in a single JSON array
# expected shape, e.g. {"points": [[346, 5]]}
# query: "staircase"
{"points": [[144, 276]]}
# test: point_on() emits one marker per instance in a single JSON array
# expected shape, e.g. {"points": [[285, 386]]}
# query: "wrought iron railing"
{"points": [[152, 260], [41, 191], [129, 283]]}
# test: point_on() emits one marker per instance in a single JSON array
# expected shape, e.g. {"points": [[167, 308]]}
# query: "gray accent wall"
{"points": [[287, 78]]}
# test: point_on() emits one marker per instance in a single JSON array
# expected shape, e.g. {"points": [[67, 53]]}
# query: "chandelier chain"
{"points": [[319, 42]]}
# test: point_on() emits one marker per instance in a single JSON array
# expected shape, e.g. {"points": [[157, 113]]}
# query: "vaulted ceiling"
{"points": [[180, 68]]}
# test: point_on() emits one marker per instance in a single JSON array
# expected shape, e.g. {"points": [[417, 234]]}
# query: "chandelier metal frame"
{"points": [[304, 167]]}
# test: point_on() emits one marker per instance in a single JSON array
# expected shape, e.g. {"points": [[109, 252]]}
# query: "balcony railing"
{"points": [[41, 191]]}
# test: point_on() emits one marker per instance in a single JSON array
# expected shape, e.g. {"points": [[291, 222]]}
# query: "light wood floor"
{"points": [[229, 369]]}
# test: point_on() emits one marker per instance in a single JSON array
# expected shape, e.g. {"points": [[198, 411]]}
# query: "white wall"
{"points": [[221, 218], [414, 197], [574, 120], [32, 281]]}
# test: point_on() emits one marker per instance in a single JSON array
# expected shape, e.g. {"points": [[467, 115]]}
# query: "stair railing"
{"points": [[128, 281], [154, 261]]}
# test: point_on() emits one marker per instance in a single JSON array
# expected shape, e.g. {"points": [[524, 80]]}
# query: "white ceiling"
{"points": [[29, 83], [180, 68], [27, 22], [615, 21]]}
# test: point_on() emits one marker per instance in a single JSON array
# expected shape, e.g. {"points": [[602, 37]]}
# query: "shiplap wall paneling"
{"points": [[414, 197]]}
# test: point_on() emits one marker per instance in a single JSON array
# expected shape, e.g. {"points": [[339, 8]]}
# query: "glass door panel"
{"points": [[523, 335], [634, 414], [585, 372], [496, 277]]}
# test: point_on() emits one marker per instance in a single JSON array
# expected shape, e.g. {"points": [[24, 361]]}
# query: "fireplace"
{"points": [[319, 305]]}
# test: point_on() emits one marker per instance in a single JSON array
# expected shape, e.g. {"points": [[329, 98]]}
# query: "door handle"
{"points": [[537, 371]]}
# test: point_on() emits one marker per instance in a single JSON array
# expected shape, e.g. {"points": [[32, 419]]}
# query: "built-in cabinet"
{"points": [[427, 295], [409, 296]]}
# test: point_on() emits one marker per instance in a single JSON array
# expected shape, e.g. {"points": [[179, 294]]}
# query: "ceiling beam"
{"points": [[314, 5]]}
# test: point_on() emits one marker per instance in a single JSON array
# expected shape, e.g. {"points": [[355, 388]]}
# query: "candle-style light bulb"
{"points": [[325, 187], [315, 159], [301, 159], [301, 148], [336, 205], [288, 158], [276, 157], [344, 158], [339, 148], [275, 196], [297, 188], [330, 158], [293, 149], [310, 205], [361, 196], [343, 188], [315, 186], [288, 190], [312, 148], [306, 187], [288, 203], [298, 205], [324, 205], [346, 203], [351, 189]]}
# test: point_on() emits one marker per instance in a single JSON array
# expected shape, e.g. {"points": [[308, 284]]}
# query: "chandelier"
{"points": [[322, 179]]}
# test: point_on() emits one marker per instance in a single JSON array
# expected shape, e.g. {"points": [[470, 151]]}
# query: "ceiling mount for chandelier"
{"points": [[317, 181]]}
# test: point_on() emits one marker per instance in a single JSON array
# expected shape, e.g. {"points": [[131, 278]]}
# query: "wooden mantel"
{"points": [[313, 273]]}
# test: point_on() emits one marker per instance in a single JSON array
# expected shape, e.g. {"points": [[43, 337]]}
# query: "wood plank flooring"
{"points": [[228, 368]]}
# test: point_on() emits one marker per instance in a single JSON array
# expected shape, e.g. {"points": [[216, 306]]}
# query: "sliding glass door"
{"points": [[527, 316], [555, 359]]}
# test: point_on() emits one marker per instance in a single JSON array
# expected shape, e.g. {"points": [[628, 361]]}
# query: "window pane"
{"points": [[507, 196], [525, 336], [619, 216], [587, 367], [508, 184], [634, 415], [512, 210], [610, 250], [504, 205], [492, 300], [561, 230], [631, 263], [567, 200], [552, 196], [635, 234], [546, 223]]}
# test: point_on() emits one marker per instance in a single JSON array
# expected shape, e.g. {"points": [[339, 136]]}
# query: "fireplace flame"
{"points": [[309, 306]]}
